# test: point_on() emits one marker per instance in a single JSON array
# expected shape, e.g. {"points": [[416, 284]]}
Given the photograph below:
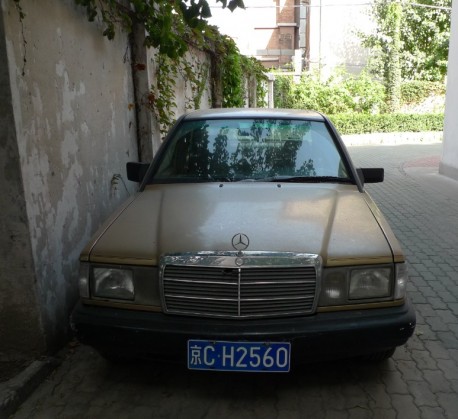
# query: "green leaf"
{"points": [[206, 12]]}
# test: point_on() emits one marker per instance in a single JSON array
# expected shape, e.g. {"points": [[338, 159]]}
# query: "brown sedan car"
{"points": [[251, 245]]}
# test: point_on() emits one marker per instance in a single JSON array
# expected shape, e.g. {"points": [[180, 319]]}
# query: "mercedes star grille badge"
{"points": [[240, 242]]}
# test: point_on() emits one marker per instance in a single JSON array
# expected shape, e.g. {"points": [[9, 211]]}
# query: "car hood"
{"points": [[337, 222]]}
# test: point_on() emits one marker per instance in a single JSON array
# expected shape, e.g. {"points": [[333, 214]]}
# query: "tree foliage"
{"points": [[341, 93], [171, 27], [393, 65], [169, 24], [424, 38]]}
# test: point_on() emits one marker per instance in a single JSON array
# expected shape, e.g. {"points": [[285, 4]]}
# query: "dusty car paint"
{"points": [[329, 230], [333, 221]]}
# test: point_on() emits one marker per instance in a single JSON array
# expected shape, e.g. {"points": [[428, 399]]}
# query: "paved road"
{"points": [[421, 381]]}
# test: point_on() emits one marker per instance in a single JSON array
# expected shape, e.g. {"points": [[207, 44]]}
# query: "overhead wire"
{"points": [[429, 6]]}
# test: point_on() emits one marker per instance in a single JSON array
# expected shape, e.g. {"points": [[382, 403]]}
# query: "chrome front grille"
{"points": [[264, 285]]}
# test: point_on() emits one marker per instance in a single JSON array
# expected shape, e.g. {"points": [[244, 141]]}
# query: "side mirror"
{"points": [[136, 171], [371, 175]]}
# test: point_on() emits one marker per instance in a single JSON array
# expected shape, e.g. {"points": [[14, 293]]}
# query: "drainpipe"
{"points": [[148, 132]]}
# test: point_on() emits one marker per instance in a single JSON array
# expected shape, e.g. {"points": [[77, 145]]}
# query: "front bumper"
{"points": [[321, 336]]}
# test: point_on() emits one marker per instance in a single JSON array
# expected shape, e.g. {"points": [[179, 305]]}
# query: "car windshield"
{"points": [[250, 150]]}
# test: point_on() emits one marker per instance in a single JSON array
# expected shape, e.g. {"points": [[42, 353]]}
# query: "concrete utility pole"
{"points": [[270, 90]]}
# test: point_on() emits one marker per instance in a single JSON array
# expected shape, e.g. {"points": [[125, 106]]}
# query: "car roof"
{"points": [[237, 113]]}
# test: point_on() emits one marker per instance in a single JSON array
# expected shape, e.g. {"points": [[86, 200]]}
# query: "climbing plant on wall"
{"points": [[234, 70], [257, 72], [169, 24], [171, 27], [161, 98]]}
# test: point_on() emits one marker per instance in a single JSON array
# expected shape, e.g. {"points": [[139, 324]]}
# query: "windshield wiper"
{"points": [[306, 179]]}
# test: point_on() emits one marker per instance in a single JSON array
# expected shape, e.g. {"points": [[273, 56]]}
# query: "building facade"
{"points": [[299, 35], [270, 30]]}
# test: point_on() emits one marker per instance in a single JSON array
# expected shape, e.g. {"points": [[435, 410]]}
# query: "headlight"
{"points": [[369, 283], [401, 281], [363, 284], [113, 283], [83, 280], [334, 288]]}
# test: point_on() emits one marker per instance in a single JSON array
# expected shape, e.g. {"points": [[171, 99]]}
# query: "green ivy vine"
{"points": [[234, 70], [172, 27], [161, 97], [257, 72], [232, 74]]}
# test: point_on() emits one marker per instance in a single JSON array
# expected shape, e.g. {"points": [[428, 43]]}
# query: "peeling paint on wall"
{"points": [[73, 121], [74, 133], [21, 333]]}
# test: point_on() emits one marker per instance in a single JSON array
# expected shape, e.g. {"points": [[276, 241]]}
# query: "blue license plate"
{"points": [[239, 356]]}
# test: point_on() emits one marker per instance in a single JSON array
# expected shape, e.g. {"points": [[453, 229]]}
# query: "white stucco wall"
{"points": [[71, 91], [449, 163], [20, 320]]}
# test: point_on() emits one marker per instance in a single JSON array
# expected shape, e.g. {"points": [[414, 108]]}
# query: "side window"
{"points": [[323, 152]]}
